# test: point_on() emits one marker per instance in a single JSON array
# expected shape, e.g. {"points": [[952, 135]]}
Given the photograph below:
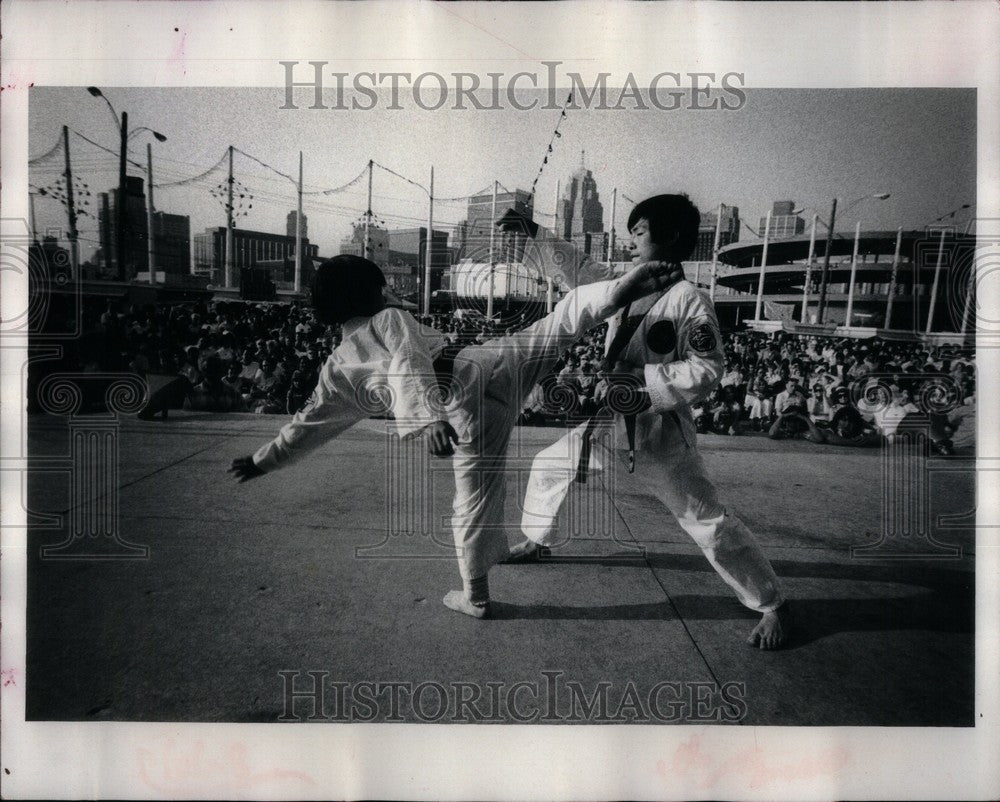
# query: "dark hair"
{"points": [[669, 216], [347, 286]]}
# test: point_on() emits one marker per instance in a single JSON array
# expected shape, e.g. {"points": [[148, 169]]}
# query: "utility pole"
{"points": [[493, 226], [74, 248], [229, 223], [429, 251], [120, 218], [32, 221], [368, 214], [555, 216], [150, 232], [298, 234], [825, 275], [611, 237]]}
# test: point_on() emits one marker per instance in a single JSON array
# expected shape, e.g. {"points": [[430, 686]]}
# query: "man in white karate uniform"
{"points": [[669, 346], [387, 361]]}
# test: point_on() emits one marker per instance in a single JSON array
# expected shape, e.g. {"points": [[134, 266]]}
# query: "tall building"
{"points": [[136, 258], [378, 243], [473, 234], [729, 232], [290, 224], [249, 249], [581, 213], [784, 223], [172, 241], [408, 250]]}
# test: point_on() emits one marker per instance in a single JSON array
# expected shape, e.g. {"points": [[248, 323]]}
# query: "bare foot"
{"points": [[526, 552], [773, 630], [457, 600]]}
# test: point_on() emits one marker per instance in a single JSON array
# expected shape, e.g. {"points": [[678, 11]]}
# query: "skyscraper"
{"points": [[784, 223], [473, 238], [729, 232], [172, 243], [136, 257], [581, 213]]}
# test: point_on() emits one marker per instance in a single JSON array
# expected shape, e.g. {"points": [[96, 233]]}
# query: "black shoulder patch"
{"points": [[661, 337], [702, 339]]}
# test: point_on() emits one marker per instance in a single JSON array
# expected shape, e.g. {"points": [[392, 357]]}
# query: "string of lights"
{"points": [[556, 134]]}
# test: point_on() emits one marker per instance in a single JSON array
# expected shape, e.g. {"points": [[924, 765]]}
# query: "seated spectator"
{"points": [[792, 419], [265, 379], [726, 412], [212, 394], [789, 399], [818, 406], [760, 404], [848, 428], [298, 392]]}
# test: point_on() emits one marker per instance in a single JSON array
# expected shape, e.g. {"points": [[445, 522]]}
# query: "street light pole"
{"points": [[120, 217], [298, 234], [150, 217]]}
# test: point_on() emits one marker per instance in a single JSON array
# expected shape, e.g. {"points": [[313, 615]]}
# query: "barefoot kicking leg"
{"points": [[473, 600], [773, 630]]}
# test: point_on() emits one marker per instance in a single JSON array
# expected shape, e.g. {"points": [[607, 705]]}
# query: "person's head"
{"points": [[818, 390], [847, 422], [212, 369], [664, 227], [345, 287]]}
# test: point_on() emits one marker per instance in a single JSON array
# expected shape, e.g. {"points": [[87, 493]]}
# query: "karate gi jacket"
{"points": [[679, 347], [383, 364]]}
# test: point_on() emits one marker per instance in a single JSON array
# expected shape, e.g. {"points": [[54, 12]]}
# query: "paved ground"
{"points": [[298, 572]]}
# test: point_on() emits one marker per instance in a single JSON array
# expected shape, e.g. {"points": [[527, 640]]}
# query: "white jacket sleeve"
{"points": [[700, 358], [327, 413], [410, 375]]}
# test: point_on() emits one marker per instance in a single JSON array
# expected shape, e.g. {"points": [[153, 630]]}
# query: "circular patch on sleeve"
{"points": [[702, 339], [661, 337]]}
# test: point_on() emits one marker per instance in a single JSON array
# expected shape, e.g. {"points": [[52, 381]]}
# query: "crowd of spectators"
{"points": [[227, 356], [839, 391]]}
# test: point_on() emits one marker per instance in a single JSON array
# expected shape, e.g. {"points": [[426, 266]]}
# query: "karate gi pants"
{"points": [[670, 468], [496, 379]]}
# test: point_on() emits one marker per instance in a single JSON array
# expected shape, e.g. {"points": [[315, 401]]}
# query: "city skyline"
{"points": [[811, 145]]}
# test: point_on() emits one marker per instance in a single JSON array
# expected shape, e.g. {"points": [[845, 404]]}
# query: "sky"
{"points": [[807, 146]]}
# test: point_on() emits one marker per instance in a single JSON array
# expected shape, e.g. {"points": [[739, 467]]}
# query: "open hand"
{"points": [[441, 438], [244, 469]]}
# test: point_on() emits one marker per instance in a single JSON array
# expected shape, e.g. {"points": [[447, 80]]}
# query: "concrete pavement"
{"points": [[338, 566]]}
